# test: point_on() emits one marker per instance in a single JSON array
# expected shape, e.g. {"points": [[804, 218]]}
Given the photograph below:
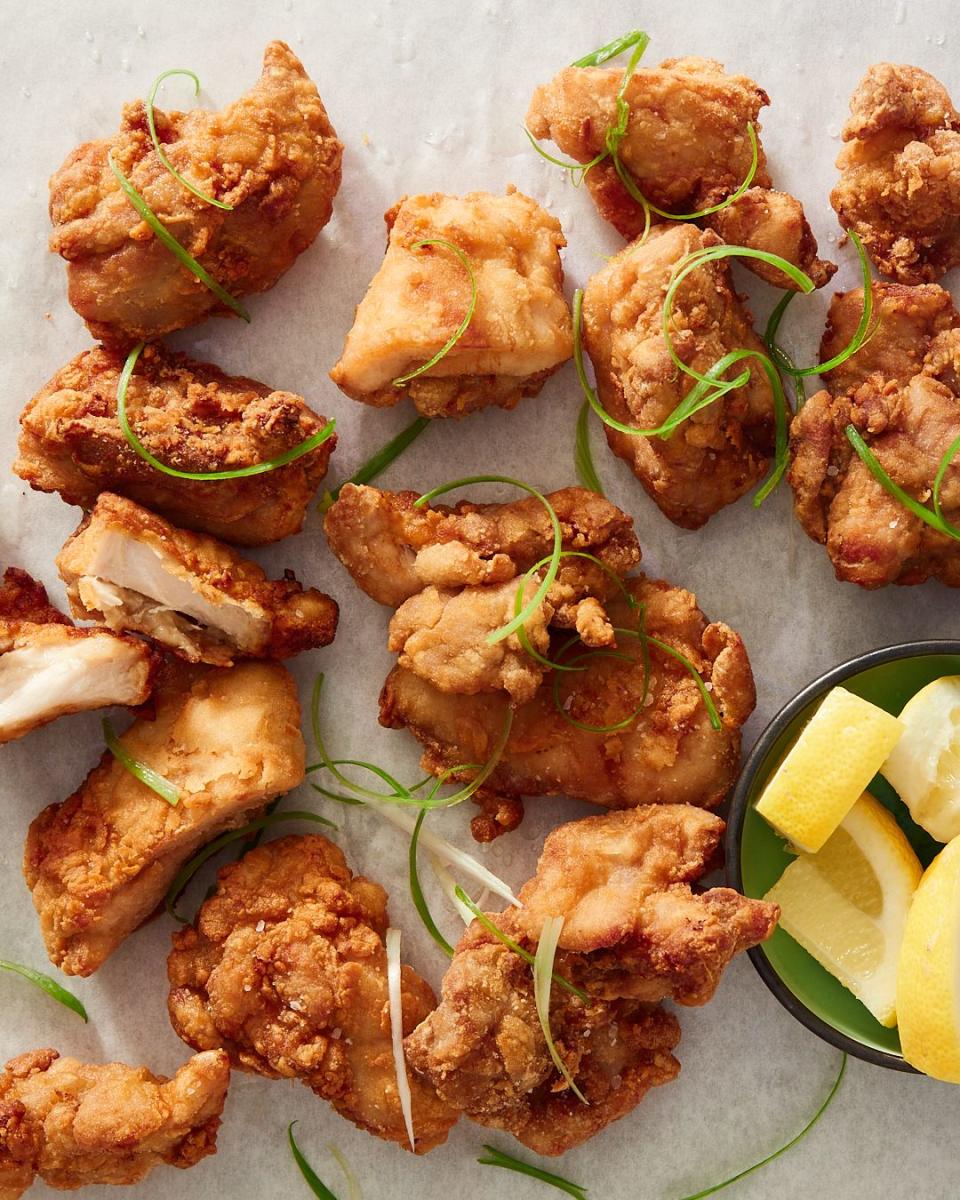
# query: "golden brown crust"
{"points": [[189, 415], [99, 863], [285, 967], [279, 617], [72, 1124], [273, 155]]}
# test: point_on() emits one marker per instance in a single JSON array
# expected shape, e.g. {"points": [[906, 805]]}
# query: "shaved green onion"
{"points": [[313, 1180], [578, 170], [467, 317], [861, 333], [395, 998], [517, 949], [139, 770], [625, 723], [353, 1187], [378, 463], [551, 573], [583, 455], [416, 891], [934, 519], [48, 985], [542, 987], [281, 460], [710, 1191], [151, 125], [166, 237], [596, 58], [449, 885], [177, 888], [497, 1158], [945, 462], [688, 666]]}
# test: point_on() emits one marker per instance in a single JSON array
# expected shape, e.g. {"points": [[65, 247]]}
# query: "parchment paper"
{"points": [[431, 95]]}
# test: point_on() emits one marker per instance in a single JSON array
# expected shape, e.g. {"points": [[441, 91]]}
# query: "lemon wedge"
{"points": [[828, 767], [847, 905], [924, 766], [928, 985]]}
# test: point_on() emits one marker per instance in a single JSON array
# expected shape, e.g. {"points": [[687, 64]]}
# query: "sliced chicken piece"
{"points": [[132, 570]]}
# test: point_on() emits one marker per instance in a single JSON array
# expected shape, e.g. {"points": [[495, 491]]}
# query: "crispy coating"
{"points": [[273, 155], [898, 186], [724, 450], [902, 393], [686, 147], [285, 968], [520, 331], [133, 570], [633, 932], [669, 754], [48, 668], [99, 863], [74, 1124], [190, 416]]}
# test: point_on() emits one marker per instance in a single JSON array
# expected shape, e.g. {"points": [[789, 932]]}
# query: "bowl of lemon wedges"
{"points": [[847, 814]]}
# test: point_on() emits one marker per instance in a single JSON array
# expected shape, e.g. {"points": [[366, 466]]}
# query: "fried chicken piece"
{"points": [[520, 331], [669, 754], [285, 968], [74, 1124], [722, 451], [99, 863], [902, 393], [633, 932], [898, 186], [48, 668], [132, 570], [272, 155], [686, 147], [190, 416]]}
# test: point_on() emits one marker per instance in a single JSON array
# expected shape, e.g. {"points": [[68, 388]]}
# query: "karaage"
{"points": [[190, 416], [99, 863], [72, 1124], [520, 330], [132, 570], [49, 668], [272, 156], [285, 968]]}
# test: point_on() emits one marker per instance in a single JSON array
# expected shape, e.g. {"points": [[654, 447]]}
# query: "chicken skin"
{"points": [[669, 754], [285, 968], [272, 156], [100, 863], [190, 416], [686, 148], [633, 933], [724, 450], [49, 668], [520, 330], [132, 570], [74, 1125], [901, 392], [898, 184]]}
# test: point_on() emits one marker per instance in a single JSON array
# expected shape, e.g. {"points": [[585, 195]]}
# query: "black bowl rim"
{"points": [[737, 815]]}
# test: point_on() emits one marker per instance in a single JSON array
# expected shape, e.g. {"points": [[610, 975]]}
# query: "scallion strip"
{"points": [[497, 1158], [176, 889], [542, 987], [710, 1191], [517, 949], [48, 985], [583, 455], [934, 519], [161, 154], [551, 572], [578, 170], [313, 1180], [166, 237], [449, 885], [416, 891], [139, 770], [596, 58], [353, 1187], [945, 462], [378, 463], [467, 317], [395, 996], [281, 460], [688, 666]]}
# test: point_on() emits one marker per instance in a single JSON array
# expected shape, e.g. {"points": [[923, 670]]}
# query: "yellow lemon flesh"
{"points": [[841, 749], [928, 985], [847, 905], [924, 766]]}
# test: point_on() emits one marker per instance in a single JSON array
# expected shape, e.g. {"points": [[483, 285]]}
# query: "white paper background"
{"points": [[431, 95]]}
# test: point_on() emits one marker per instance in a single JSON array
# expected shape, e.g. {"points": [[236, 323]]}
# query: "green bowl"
{"points": [[756, 857]]}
